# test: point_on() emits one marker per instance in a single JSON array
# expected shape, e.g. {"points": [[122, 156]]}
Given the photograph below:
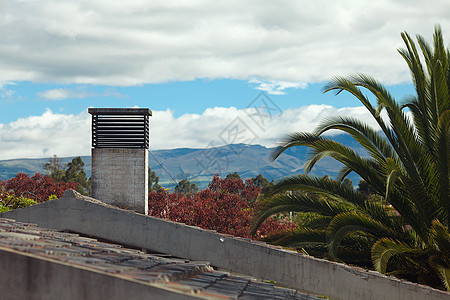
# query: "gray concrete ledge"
{"points": [[77, 213]]}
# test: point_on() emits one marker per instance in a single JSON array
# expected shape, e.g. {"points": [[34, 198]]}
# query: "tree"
{"points": [[347, 182], [407, 165], [234, 175], [76, 173], [38, 187], [261, 181], [223, 206], [185, 187], [365, 188], [153, 180], [55, 168]]}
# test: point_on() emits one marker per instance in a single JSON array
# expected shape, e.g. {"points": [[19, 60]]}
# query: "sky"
{"points": [[212, 72]]}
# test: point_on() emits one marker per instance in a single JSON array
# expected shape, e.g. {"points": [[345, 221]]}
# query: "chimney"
{"points": [[120, 156]]}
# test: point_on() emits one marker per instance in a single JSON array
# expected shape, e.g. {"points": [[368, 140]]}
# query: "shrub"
{"points": [[225, 206], [11, 201], [38, 187]]}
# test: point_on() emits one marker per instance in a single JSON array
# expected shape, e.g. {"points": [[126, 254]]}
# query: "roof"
{"points": [[90, 217], [163, 271]]}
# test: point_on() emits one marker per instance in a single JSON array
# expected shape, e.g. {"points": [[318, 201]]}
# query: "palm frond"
{"points": [[379, 213], [320, 186], [441, 237], [445, 276], [343, 173], [442, 158], [340, 84], [350, 222], [393, 174], [292, 140], [367, 168], [295, 203], [385, 249], [300, 238], [372, 141]]}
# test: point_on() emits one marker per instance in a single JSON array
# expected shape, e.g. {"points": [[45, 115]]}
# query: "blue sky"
{"points": [[183, 97], [199, 66]]}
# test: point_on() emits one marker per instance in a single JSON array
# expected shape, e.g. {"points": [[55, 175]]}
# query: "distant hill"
{"points": [[9, 168], [199, 165]]}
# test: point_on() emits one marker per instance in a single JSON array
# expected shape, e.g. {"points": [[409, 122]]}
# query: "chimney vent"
{"points": [[120, 141]]}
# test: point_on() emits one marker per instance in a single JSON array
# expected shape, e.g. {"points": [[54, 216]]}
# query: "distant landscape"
{"points": [[199, 165]]}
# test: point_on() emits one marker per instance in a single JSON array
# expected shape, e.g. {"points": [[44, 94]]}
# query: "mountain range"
{"points": [[199, 165]]}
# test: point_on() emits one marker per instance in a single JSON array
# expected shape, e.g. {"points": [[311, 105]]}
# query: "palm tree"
{"points": [[406, 162]]}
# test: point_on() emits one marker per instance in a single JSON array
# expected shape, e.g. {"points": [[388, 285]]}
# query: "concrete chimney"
{"points": [[120, 141]]}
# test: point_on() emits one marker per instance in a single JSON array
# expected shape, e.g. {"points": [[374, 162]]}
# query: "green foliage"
{"points": [[234, 175], [263, 182], [11, 201], [4, 208], [406, 168], [76, 173], [365, 188], [347, 182], [311, 220], [153, 181], [185, 187], [55, 168], [52, 197], [260, 181]]}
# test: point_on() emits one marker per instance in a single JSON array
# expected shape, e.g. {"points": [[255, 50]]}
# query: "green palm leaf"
{"points": [[295, 203], [300, 238], [385, 249], [350, 222], [374, 143]]}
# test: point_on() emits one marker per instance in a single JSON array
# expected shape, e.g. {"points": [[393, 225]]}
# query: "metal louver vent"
{"points": [[120, 127]]}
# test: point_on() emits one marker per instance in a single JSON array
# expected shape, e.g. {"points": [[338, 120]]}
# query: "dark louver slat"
{"points": [[120, 128]]}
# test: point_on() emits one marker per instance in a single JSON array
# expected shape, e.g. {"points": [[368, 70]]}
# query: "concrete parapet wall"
{"points": [[120, 177], [80, 214]]}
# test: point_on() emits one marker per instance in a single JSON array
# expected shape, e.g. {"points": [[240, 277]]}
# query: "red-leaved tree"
{"points": [[225, 206], [38, 187]]}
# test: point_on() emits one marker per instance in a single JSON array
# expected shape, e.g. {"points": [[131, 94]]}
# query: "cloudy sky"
{"points": [[202, 67]]}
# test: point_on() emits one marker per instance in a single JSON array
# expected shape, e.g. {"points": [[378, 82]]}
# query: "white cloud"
{"points": [[136, 42], [45, 135], [60, 94], [69, 135], [80, 93], [5, 92], [275, 87]]}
